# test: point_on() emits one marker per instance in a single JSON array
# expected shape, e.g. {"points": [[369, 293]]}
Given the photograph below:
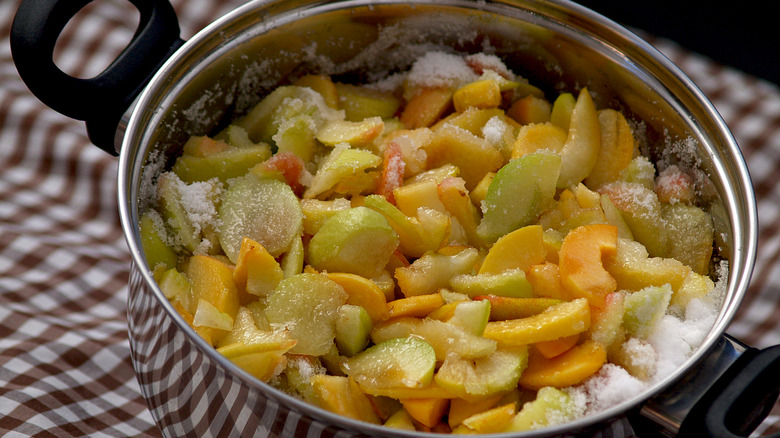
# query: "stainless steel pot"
{"points": [[163, 89]]}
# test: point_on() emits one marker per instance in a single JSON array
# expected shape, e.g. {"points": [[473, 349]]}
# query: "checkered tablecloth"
{"points": [[64, 355]]}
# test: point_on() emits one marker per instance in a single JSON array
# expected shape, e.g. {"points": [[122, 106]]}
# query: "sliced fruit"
{"points": [[616, 151], [157, 252], [633, 269], [479, 94], [400, 420], [395, 363], [416, 235], [403, 393], [245, 331], [433, 271], [530, 109], [358, 241], [306, 305], [315, 212], [520, 249], [644, 308], [461, 409], [257, 272], [491, 421], [545, 279], [341, 395], [341, 164], [694, 286], [212, 282], [455, 198], [562, 109], [428, 411], [607, 323], [356, 134], [474, 379], [564, 319], [641, 210], [360, 102], [426, 107], [471, 316], [551, 407], [505, 308], [473, 155], [580, 152], [261, 360], [416, 306], [538, 136], [556, 347], [229, 163], [510, 283], [353, 326], [443, 337], [362, 292], [567, 369], [410, 197], [690, 232], [323, 85], [518, 193], [582, 257], [264, 209]]}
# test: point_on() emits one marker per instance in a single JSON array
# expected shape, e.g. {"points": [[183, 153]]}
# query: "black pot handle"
{"points": [[737, 403], [101, 101]]}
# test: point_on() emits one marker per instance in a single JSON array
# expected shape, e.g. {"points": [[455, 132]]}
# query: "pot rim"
{"points": [[744, 239]]}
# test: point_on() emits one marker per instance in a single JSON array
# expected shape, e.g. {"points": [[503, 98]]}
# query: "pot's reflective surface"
{"points": [[228, 66]]}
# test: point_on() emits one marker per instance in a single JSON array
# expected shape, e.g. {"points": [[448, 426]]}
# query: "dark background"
{"points": [[741, 34]]}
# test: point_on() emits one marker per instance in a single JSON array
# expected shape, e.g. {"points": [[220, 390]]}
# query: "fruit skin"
{"points": [[567, 369], [358, 241], [510, 283], [518, 193], [564, 319], [581, 262]]}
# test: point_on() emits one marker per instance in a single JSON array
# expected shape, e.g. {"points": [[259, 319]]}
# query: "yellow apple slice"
{"points": [[580, 152]]}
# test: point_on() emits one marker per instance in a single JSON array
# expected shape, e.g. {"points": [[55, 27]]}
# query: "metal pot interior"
{"points": [[559, 46]]}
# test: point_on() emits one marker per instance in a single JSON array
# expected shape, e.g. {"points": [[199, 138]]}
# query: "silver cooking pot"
{"points": [[162, 89]]}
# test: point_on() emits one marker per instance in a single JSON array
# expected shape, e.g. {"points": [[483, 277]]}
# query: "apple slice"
{"points": [[341, 395], [433, 271], [483, 377], [416, 235], [356, 134], [306, 305], [341, 163], [353, 326], [445, 338], [644, 308], [358, 241], [491, 421], [224, 165], [551, 407], [471, 316], [562, 109], [518, 194], [400, 420], [153, 237], [315, 212], [510, 283], [362, 292], [505, 308], [262, 360], [360, 102], [245, 331], [257, 272], [616, 151], [395, 363], [264, 209], [580, 152]]}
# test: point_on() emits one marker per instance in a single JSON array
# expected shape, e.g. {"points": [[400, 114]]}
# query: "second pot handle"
{"points": [[740, 399], [101, 101]]}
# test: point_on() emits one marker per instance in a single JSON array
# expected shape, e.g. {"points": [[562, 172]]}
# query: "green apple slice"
{"points": [[445, 338], [644, 308], [471, 316], [482, 377], [264, 209], [510, 283], [551, 407], [353, 326], [358, 241], [306, 306], [396, 363], [518, 194]]}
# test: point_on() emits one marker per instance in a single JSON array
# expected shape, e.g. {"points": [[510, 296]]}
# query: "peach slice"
{"points": [[261, 360], [257, 272], [461, 409], [415, 306], [362, 292], [491, 421], [556, 347], [471, 119], [400, 420], [212, 281], [428, 411], [323, 85], [520, 249], [633, 269], [616, 151], [530, 109], [568, 369], [479, 94], [545, 279], [537, 136], [410, 197], [426, 107], [561, 320], [341, 395], [507, 308], [455, 198], [473, 155], [581, 262], [580, 152]]}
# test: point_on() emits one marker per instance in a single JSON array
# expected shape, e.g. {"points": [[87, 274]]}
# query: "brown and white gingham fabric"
{"points": [[65, 361]]}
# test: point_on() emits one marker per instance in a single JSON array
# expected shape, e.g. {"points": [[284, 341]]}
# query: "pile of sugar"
{"points": [[672, 342]]}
